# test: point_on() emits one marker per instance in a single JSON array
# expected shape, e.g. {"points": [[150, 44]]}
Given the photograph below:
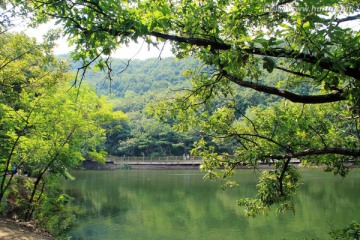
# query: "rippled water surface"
{"points": [[179, 204]]}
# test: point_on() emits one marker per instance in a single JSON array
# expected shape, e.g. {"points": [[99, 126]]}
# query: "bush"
{"points": [[350, 232]]}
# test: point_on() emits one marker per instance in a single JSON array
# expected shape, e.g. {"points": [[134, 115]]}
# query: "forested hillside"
{"points": [[134, 86], [142, 76]]}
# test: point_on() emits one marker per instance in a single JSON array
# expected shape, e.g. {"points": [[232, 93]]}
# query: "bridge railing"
{"points": [[163, 159], [123, 159]]}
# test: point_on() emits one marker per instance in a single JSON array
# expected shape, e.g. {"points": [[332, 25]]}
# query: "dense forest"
{"points": [[47, 127], [137, 85], [133, 86]]}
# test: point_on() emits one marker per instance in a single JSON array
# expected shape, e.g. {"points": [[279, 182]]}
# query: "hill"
{"points": [[132, 85]]}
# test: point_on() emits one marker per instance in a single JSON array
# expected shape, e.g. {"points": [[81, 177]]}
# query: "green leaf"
{"points": [[306, 25], [268, 64]]}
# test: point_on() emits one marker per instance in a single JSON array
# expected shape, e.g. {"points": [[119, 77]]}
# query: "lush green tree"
{"points": [[311, 41], [276, 135], [46, 126], [150, 137], [26, 69]]}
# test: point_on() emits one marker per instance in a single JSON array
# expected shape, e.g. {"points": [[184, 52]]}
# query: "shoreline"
{"points": [[109, 165], [13, 230], [161, 165]]}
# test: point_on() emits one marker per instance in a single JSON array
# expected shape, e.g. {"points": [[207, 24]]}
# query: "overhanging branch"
{"points": [[216, 44], [309, 99], [274, 52], [309, 152], [294, 72], [348, 18]]}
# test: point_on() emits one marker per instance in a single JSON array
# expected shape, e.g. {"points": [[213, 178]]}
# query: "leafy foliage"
{"points": [[46, 127], [56, 213], [350, 232], [240, 41]]}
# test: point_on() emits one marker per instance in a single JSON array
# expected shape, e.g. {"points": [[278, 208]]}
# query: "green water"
{"points": [[178, 204]]}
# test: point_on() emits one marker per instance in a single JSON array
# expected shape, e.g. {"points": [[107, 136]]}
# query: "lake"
{"points": [[179, 204]]}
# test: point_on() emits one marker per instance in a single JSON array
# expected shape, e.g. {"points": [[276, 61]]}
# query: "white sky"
{"points": [[134, 50]]}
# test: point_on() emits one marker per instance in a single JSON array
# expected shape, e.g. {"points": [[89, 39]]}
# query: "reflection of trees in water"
{"points": [[333, 198], [155, 197], [97, 198], [163, 203]]}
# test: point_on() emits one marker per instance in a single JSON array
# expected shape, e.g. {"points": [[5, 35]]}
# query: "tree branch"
{"points": [[309, 99], [287, 149], [308, 152], [4, 64], [321, 137], [349, 18], [294, 72], [282, 175], [271, 52]]}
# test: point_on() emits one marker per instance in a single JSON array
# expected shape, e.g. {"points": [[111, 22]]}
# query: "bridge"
{"points": [[155, 162], [163, 162]]}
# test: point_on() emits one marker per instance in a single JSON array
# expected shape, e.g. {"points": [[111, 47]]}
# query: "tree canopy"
{"points": [[315, 43], [46, 128]]}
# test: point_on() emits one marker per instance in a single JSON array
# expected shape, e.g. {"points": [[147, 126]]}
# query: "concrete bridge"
{"points": [[165, 162], [156, 162]]}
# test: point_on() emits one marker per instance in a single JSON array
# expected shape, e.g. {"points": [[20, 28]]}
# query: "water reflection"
{"points": [[140, 204]]}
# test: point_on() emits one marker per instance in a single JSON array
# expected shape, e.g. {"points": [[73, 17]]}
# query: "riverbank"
{"points": [[12, 230]]}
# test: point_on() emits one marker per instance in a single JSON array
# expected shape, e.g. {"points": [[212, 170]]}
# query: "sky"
{"points": [[134, 50]]}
